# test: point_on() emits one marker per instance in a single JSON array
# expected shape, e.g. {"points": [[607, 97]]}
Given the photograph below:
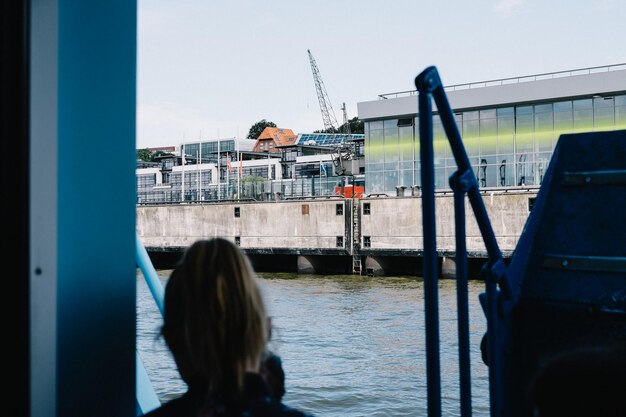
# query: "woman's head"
{"points": [[215, 321]]}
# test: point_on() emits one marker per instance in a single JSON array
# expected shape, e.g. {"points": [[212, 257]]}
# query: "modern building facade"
{"points": [[509, 127]]}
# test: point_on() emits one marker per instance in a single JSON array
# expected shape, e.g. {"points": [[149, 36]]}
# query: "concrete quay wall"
{"points": [[374, 235], [309, 225], [396, 223]]}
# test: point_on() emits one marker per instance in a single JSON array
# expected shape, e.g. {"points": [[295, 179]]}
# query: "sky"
{"points": [[213, 68]]}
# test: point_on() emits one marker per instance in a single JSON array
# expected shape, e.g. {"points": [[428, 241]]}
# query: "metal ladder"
{"points": [[356, 237]]}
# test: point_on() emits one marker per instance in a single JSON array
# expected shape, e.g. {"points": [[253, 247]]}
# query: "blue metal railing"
{"points": [[147, 399], [498, 294]]}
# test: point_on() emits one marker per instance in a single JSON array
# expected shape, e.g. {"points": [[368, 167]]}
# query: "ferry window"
{"points": [[238, 240], [366, 208], [367, 241], [339, 210], [340, 241], [531, 203], [237, 212], [405, 122]]}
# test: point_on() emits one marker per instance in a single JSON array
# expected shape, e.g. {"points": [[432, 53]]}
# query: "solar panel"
{"points": [[326, 139]]}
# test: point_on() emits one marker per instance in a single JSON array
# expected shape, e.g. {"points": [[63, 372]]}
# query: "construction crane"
{"points": [[346, 121], [328, 114]]}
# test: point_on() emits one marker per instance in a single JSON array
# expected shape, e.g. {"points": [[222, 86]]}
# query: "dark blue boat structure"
{"points": [[565, 286]]}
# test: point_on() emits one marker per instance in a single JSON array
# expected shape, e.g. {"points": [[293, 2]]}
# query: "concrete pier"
{"points": [[323, 235]]}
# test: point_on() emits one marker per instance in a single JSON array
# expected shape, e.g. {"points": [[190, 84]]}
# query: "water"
{"points": [[351, 346]]}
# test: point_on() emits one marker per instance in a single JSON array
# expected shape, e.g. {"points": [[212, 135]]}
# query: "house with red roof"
{"points": [[271, 137]]}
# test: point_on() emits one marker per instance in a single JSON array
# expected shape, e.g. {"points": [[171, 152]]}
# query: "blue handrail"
{"points": [[150, 275], [497, 287], [147, 399]]}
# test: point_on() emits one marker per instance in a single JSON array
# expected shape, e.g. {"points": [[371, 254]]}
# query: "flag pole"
{"points": [[182, 170], [239, 167], [219, 168], [199, 170]]}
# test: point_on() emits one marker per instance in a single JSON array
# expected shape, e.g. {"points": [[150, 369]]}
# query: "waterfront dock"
{"points": [[375, 235]]}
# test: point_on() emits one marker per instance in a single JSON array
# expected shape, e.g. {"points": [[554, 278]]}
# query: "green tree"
{"points": [[157, 154], [356, 126], [145, 155], [257, 128]]}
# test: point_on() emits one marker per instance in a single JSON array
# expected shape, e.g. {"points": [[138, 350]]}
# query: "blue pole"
{"points": [[431, 302], [150, 275], [462, 298], [462, 160]]}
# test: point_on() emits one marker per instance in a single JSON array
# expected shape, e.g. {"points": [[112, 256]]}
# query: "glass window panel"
{"points": [[441, 179], [583, 104], [375, 150], [541, 162], [487, 171], [602, 102], [603, 118], [543, 131], [406, 144], [391, 181], [506, 130], [417, 173], [470, 115], [505, 112], [563, 120], [406, 178], [366, 145], [543, 108], [374, 182], [390, 123], [523, 169], [506, 170], [440, 141], [488, 135], [620, 117], [564, 106], [376, 124], [524, 133], [391, 147], [524, 110], [471, 129], [450, 164], [406, 164], [583, 119], [603, 113], [488, 114], [620, 100]]}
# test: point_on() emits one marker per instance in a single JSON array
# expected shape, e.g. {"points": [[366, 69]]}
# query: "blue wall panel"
{"points": [[96, 208]]}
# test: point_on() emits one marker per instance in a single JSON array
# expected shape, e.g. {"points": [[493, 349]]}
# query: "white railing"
{"points": [[515, 80]]}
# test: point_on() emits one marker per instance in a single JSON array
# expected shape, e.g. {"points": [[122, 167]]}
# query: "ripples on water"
{"points": [[351, 346]]}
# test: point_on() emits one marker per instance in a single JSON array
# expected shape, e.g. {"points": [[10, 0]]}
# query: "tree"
{"points": [[157, 154], [147, 155], [257, 128], [356, 126], [144, 155]]}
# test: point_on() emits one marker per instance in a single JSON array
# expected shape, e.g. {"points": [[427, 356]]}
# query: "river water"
{"points": [[351, 346]]}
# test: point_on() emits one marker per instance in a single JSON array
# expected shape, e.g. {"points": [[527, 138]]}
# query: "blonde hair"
{"points": [[215, 321]]}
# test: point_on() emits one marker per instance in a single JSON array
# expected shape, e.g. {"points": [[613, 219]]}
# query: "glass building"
{"points": [[509, 127]]}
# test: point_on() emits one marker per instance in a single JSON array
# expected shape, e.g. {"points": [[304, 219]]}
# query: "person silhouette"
{"points": [[581, 382], [215, 326]]}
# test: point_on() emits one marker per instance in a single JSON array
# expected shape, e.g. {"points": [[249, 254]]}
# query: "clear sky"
{"points": [[215, 67]]}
